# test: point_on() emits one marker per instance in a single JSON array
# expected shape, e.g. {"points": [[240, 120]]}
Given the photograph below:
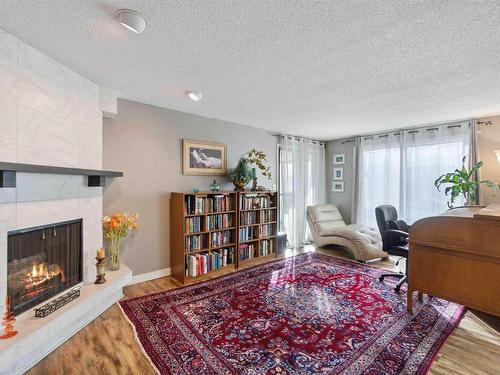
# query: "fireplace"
{"points": [[42, 262]]}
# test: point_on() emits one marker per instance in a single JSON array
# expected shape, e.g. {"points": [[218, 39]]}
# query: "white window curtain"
{"points": [[378, 174], [302, 183], [400, 169], [429, 153]]}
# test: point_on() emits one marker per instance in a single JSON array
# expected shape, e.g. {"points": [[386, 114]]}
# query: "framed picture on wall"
{"points": [[338, 173], [338, 186], [338, 158], [200, 158]]}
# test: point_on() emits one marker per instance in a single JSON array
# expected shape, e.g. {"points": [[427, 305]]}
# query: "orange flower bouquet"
{"points": [[115, 228]]}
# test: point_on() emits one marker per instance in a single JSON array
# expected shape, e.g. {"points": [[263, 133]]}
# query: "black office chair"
{"points": [[394, 234]]}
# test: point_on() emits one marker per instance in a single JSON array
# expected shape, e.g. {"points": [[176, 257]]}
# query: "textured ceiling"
{"points": [[321, 69]]}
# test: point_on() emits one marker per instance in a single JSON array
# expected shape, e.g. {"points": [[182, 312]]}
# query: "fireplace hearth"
{"points": [[42, 262]]}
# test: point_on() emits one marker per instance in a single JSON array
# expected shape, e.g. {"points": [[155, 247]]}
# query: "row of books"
{"points": [[220, 221], [266, 230], [249, 202], [201, 264], [221, 238], [247, 251], [248, 233], [266, 247], [248, 218], [194, 205], [195, 242], [267, 216], [217, 203], [193, 224]]}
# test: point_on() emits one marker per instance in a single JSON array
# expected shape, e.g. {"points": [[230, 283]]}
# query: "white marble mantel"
{"points": [[51, 115], [37, 337]]}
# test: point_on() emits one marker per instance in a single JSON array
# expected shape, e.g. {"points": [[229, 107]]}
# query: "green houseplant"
{"points": [[462, 183], [242, 173]]}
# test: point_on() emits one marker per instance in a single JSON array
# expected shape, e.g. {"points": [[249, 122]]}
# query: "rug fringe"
{"points": [[157, 370]]}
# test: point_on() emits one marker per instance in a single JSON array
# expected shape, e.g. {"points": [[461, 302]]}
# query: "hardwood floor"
{"points": [[107, 346]]}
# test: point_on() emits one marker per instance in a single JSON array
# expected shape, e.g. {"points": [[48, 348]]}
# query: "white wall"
{"points": [[50, 116]]}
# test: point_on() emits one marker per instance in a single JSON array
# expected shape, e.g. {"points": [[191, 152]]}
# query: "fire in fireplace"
{"points": [[43, 262]]}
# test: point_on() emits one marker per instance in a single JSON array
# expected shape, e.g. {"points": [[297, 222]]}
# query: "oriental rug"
{"points": [[309, 314]]}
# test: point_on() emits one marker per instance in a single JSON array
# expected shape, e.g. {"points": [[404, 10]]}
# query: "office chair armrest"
{"points": [[402, 225], [396, 237]]}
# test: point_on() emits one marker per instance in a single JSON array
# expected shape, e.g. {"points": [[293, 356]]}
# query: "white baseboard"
{"points": [[150, 276]]}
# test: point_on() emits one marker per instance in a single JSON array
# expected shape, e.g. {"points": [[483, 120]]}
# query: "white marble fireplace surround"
{"points": [[50, 115]]}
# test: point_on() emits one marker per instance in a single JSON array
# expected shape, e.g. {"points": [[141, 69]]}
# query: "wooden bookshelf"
{"points": [[249, 209], [195, 225], [257, 224]]}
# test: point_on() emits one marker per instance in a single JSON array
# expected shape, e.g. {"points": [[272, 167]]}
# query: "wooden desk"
{"points": [[456, 256]]}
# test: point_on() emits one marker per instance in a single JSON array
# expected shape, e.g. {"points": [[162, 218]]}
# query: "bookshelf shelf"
{"points": [[221, 230], [259, 209], [195, 233], [249, 241], [223, 246], [193, 214]]}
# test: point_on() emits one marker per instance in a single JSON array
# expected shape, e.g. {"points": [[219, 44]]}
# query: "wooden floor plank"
{"points": [[107, 346]]}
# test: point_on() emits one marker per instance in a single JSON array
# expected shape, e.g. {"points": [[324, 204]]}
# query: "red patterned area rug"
{"points": [[310, 314]]}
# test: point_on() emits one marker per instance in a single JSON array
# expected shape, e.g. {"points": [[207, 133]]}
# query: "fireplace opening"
{"points": [[42, 262]]}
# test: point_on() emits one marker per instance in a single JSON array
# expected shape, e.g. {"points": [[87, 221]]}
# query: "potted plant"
{"points": [[242, 173], [462, 183], [115, 228]]}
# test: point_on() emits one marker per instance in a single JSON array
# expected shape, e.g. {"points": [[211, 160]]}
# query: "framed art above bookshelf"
{"points": [[209, 231]]}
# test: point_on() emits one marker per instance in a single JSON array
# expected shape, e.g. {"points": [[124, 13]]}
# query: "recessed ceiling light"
{"points": [[194, 95], [131, 20]]}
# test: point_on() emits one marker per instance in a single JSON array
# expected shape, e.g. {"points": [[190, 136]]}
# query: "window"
{"points": [[301, 184], [400, 169]]}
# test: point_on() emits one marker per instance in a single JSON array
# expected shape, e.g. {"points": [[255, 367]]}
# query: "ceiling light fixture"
{"points": [[131, 20], [194, 95]]}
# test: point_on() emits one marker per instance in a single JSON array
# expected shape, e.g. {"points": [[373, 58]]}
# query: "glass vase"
{"points": [[114, 255]]}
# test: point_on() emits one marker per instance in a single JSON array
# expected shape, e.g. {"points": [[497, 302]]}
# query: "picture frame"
{"points": [[338, 159], [338, 173], [338, 186], [201, 158]]}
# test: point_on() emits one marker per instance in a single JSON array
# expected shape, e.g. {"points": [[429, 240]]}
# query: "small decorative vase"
{"points": [[114, 255], [214, 187]]}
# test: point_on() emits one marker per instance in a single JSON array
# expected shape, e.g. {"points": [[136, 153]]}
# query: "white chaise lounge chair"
{"points": [[328, 228]]}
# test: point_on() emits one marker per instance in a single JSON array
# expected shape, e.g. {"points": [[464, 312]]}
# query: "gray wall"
{"points": [[342, 200], [145, 142]]}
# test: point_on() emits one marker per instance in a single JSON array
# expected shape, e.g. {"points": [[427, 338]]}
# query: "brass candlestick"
{"points": [[8, 321], [254, 185], [100, 279]]}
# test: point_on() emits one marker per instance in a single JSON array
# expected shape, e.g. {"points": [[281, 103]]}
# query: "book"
{"points": [[201, 264]]}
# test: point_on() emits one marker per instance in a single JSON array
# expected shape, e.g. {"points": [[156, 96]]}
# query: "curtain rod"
{"points": [[415, 129], [277, 135]]}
